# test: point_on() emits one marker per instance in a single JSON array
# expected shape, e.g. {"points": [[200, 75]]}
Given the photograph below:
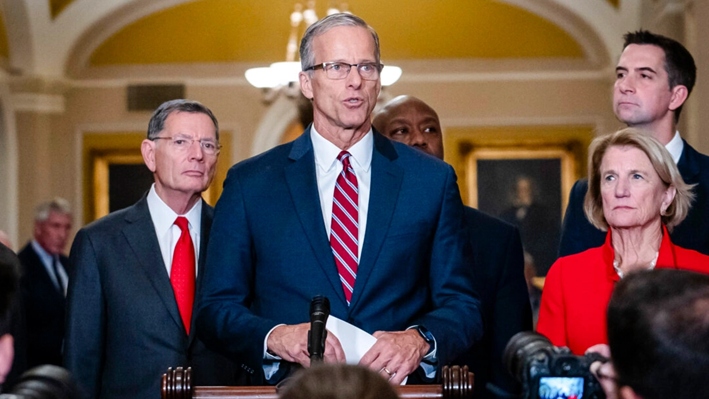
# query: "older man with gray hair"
{"points": [[44, 281], [291, 224]]}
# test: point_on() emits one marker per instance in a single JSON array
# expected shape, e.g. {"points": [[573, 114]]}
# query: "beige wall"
{"points": [[550, 93], [50, 144]]}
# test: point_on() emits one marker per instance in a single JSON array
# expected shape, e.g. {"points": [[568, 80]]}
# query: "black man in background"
{"points": [[497, 250]]}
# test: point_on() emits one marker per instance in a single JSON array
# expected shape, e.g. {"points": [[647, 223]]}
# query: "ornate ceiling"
{"points": [[257, 30], [52, 37]]}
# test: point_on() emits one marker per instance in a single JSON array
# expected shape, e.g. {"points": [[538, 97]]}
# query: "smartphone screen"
{"points": [[560, 388]]}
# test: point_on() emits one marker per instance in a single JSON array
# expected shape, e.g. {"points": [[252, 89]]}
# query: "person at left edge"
{"points": [[126, 323], [270, 249]]}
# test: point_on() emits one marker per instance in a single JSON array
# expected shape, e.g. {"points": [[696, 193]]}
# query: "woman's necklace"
{"points": [[616, 264]]}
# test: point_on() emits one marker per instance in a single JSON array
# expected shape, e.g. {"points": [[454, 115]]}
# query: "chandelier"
{"points": [[284, 74]]}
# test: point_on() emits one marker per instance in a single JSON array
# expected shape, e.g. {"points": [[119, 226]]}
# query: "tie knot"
{"points": [[182, 223], [344, 157]]}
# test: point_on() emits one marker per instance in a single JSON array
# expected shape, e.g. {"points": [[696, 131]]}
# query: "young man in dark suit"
{"points": [[654, 78], [44, 281], [342, 212], [497, 248], [132, 291]]}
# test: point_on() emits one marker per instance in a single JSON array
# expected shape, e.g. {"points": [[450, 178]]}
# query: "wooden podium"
{"points": [[457, 383]]}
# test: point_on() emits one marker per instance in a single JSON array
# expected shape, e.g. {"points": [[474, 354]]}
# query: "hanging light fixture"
{"points": [[284, 74]]}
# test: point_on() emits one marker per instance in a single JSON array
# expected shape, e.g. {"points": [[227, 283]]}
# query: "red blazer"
{"points": [[578, 288]]}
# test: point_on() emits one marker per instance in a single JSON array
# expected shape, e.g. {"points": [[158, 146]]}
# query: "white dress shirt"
{"points": [[168, 232], [327, 168], [675, 147]]}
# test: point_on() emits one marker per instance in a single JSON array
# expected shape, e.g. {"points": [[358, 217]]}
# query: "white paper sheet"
{"points": [[355, 341]]}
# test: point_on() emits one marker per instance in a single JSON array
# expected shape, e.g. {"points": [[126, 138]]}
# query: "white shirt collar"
{"points": [[675, 147], [164, 217], [326, 152], [45, 256]]}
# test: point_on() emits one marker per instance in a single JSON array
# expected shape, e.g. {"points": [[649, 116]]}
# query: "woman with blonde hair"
{"points": [[637, 194]]}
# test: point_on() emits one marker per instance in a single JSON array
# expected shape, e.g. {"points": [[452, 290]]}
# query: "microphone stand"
{"points": [[319, 312]]}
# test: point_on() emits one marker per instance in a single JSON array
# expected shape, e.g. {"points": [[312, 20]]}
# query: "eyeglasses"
{"points": [[183, 143], [340, 70]]}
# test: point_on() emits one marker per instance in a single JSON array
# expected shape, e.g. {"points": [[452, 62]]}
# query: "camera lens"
{"points": [[523, 346], [46, 382]]}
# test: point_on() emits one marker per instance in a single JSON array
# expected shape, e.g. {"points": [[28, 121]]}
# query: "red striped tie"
{"points": [[182, 274], [344, 237]]}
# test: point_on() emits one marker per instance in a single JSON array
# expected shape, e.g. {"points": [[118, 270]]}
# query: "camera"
{"points": [[549, 372], [44, 382]]}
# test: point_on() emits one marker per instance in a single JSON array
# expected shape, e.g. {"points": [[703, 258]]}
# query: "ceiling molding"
{"points": [[106, 25], [589, 38], [607, 22], [40, 103], [68, 41], [576, 120]]}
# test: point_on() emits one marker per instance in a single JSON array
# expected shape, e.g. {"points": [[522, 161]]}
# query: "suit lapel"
{"points": [[688, 165], [386, 181], [140, 234], [207, 216], [303, 187], [51, 290]]}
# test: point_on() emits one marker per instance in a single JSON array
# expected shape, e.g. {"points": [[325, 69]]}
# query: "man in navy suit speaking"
{"points": [[342, 212]]}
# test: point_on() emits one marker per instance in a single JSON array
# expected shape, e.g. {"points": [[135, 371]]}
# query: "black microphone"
{"points": [[319, 312]]}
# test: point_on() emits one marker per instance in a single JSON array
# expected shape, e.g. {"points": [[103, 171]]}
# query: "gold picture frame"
{"points": [[522, 175], [510, 155]]}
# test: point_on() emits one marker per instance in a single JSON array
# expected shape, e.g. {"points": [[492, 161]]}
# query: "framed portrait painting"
{"points": [[526, 187]]}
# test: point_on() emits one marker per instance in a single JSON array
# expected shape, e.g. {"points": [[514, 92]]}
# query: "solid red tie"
{"points": [[344, 235], [182, 275]]}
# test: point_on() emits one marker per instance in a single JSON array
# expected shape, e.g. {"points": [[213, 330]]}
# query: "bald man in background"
{"points": [[497, 247]]}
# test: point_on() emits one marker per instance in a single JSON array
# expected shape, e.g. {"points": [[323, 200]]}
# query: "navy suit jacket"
{"points": [[499, 279], [269, 253], [44, 309], [578, 234], [123, 327]]}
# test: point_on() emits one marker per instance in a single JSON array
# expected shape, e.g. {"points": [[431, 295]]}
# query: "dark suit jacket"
{"points": [[269, 253], [44, 309], [578, 234], [123, 327], [13, 321], [499, 279]]}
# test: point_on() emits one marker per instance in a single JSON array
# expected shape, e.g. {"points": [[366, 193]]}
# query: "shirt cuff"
{"points": [[271, 362]]}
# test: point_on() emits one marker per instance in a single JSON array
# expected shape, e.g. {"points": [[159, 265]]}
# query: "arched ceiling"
{"points": [[257, 31], [67, 38]]}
